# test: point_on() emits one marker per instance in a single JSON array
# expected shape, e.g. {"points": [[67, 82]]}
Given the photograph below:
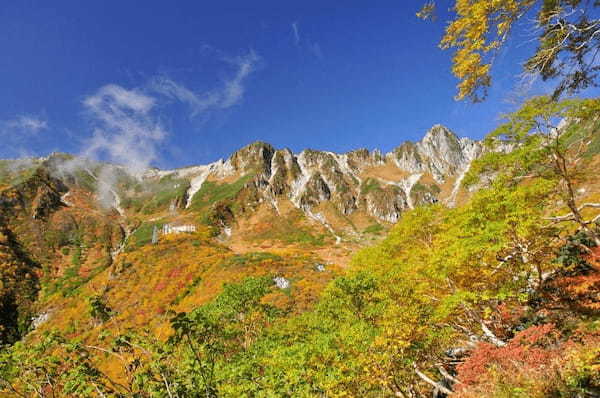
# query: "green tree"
{"points": [[220, 328], [548, 142]]}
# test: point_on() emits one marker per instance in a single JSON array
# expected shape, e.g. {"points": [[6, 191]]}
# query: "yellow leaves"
{"points": [[503, 27], [471, 34], [428, 11], [472, 72]]}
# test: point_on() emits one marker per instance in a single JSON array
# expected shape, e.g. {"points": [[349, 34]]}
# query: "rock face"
{"points": [[381, 185], [440, 153], [361, 186]]}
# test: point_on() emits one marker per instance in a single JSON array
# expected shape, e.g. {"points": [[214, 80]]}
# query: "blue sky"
{"points": [[188, 82]]}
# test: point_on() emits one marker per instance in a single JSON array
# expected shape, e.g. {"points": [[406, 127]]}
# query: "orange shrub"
{"points": [[530, 348]]}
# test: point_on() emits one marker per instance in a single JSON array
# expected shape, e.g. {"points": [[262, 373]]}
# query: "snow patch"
{"points": [[452, 198], [471, 151], [407, 185], [299, 185], [342, 161], [198, 175], [281, 282], [274, 204], [197, 182], [40, 319], [321, 219], [64, 197]]}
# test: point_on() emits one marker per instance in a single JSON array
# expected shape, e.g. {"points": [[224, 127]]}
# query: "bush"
{"points": [[572, 253], [98, 309], [189, 289]]}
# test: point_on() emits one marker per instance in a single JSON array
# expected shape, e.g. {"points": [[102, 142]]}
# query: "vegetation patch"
{"points": [[13, 173], [68, 284], [370, 185], [593, 148], [189, 289], [290, 231], [251, 259], [143, 234], [151, 197], [212, 192], [374, 229]]}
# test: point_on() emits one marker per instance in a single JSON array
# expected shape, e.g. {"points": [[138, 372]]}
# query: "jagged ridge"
{"points": [[381, 185]]}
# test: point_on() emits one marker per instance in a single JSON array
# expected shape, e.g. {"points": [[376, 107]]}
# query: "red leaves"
{"points": [[160, 286], [530, 348], [510, 313], [470, 371], [541, 335], [582, 291], [594, 256], [175, 272]]}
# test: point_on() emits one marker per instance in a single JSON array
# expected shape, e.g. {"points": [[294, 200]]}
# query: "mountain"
{"points": [[66, 219], [340, 191], [274, 273]]}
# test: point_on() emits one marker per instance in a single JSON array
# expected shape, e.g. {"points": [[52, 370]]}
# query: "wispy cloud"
{"points": [[315, 49], [127, 122], [234, 88], [296, 33], [303, 43], [176, 91], [125, 129], [229, 94], [23, 124], [20, 133]]}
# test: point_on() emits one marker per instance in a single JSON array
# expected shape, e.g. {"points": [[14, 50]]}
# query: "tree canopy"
{"points": [[567, 33]]}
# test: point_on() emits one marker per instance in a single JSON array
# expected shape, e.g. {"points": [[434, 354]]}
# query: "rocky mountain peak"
{"points": [[380, 186], [440, 153], [254, 157]]}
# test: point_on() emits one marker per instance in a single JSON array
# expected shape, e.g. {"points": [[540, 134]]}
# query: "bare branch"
{"points": [[447, 375], [490, 335], [106, 351], [166, 385], [434, 384], [571, 217]]}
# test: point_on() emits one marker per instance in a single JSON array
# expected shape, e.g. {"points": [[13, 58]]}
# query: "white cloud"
{"points": [[24, 124], [223, 97], [126, 125], [125, 130], [176, 91], [111, 97], [234, 88]]}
